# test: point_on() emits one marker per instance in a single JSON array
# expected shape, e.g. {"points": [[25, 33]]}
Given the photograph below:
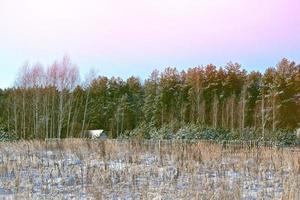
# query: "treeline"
{"points": [[52, 102]]}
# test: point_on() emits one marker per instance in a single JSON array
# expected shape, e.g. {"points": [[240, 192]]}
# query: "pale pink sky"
{"points": [[124, 37]]}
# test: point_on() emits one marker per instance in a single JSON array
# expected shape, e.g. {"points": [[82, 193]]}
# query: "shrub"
{"points": [[164, 132], [201, 132], [6, 137], [286, 137], [187, 132]]}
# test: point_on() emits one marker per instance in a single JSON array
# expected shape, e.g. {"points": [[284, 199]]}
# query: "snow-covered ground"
{"points": [[110, 170]]}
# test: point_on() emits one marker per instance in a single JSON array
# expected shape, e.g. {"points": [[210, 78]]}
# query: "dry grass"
{"points": [[73, 169]]}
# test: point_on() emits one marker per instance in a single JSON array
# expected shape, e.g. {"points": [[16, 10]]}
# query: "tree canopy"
{"points": [[51, 102]]}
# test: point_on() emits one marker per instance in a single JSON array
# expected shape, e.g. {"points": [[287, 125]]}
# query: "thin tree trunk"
{"points": [[60, 118], [215, 111], [263, 115], [203, 112], [197, 109], [53, 115], [15, 116], [227, 113], [162, 116], [84, 115], [273, 112], [36, 114], [243, 116], [232, 113], [69, 114], [243, 101], [46, 115], [223, 111], [122, 122], [8, 118], [24, 114], [74, 117]]}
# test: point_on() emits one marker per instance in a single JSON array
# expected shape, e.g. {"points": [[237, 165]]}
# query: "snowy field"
{"points": [[79, 169]]}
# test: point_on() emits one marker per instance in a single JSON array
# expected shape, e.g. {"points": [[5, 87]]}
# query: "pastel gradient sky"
{"points": [[133, 37]]}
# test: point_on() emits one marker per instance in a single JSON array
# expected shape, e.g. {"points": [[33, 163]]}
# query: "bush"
{"points": [[187, 132], [5, 137], [140, 132], [249, 134], [286, 137], [164, 133], [201, 132]]}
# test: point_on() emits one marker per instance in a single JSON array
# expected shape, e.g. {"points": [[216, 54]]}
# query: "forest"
{"points": [[203, 102]]}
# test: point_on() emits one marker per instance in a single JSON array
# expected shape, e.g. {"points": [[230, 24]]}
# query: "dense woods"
{"points": [[52, 102]]}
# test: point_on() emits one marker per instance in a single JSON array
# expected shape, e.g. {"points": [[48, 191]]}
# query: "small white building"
{"points": [[96, 134], [298, 132]]}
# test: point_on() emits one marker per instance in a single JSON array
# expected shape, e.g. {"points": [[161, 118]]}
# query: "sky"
{"points": [[134, 37]]}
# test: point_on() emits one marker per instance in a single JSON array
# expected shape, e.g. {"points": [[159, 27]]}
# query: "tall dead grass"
{"points": [[110, 169]]}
